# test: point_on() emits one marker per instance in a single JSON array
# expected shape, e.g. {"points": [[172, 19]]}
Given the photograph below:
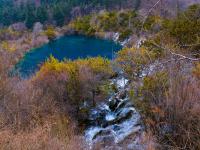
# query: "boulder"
{"points": [[118, 120], [37, 28], [102, 133], [122, 94], [76, 12], [20, 26], [121, 105], [124, 117], [113, 104], [110, 35]]}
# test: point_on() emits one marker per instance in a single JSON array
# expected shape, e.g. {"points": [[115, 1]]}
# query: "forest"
{"points": [[55, 12]]}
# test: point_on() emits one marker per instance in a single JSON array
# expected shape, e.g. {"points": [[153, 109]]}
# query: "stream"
{"points": [[115, 121]]}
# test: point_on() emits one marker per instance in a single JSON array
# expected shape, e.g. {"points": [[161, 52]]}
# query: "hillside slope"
{"points": [[60, 12]]}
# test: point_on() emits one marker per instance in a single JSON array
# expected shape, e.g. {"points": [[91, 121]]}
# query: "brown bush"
{"points": [[71, 83], [171, 105], [30, 117], [46, 137], [182, 113]]}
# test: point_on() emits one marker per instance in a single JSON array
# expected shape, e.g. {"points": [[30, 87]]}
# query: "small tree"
{"points": [[133, 60], [50, 33]]}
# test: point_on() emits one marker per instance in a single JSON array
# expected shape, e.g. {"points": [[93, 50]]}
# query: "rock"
{"points": [[113, 104], [97, 117], [156, 27], [20, 26], [123, 117], [135, 147], [68, 31], [92, 132], [121, 82], [98, 133], [119, 119], [102, 133], [76, 12], [39, 40], [116, 127], [107, 140], [115, 75], [105, 143], [166, 129], [140, 41], [111, 36], [122, 94], [121, 105], [37, 28]]}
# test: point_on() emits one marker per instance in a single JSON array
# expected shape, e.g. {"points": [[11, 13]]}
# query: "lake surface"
{"points": [[69, 47]]}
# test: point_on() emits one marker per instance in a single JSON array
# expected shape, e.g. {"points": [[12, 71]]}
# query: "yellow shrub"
{"points": [[132, 60], [96, 65], [50, 33], [196, 70], [8, 47]]}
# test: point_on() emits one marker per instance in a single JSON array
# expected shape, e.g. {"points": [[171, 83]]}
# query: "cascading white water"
{"points": [[114, 120]]}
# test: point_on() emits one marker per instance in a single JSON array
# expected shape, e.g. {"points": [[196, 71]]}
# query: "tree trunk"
{"points": [[93, 98]]}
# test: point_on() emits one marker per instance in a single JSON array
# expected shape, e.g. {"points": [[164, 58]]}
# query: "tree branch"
{"points": [[148, 13], [191, 45], [176, 54]]}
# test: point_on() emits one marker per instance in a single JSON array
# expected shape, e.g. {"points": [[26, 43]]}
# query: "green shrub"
{"points": [[185, 28], [156, 52], [125, 34], [133, 60], [78, 80], [196, 70], [82, 25], [50, 33], [151, 92], [150, 22], [107, 21]]}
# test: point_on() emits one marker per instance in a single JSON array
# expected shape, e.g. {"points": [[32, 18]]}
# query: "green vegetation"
{"points": [[196, 70], [186, 24], [181, 32], [168, 107], [81, 79], [60, 11], [124, 22], [50, 33], [82, 25], [133, 61], [153, 90]]}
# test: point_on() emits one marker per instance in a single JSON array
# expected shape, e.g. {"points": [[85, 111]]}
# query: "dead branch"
{"points": [[191, 45], [148, 13], [176, 54]]}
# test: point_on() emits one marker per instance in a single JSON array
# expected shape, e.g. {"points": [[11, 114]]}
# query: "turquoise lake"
{"points": [[67, 47]]}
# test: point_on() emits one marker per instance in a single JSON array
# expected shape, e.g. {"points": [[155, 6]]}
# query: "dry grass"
{"points": [[40, 138], [30, 119], [171, 108], [182, 113]]}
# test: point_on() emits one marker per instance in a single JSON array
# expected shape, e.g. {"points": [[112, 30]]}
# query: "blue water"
{"points": [[69, 47]]}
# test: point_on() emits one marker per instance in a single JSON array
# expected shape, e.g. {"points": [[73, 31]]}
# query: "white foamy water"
{"points": [[119, 130], [91, 132], [110, 117], [120, 83], [114, 120]]}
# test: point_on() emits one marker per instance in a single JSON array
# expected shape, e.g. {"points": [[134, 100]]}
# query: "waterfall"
{"points": [[115, 120]]}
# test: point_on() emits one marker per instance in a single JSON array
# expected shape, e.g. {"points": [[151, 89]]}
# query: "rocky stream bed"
{"points": [[115, 124]]}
